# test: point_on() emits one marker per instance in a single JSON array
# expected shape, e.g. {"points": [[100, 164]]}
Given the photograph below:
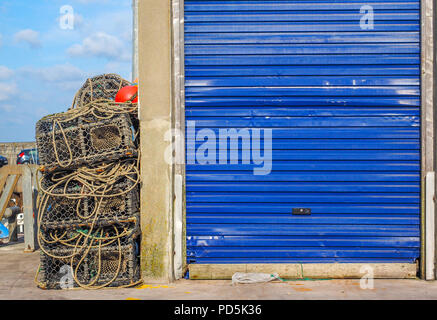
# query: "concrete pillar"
{"points": [[428, 134], [155, 78], [135, 40]]}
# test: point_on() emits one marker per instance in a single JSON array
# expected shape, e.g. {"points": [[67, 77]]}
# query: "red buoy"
{"points": [[126, 94]]}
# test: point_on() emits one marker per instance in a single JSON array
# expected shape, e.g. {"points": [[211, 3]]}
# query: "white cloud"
{"points": [[29, 36], [100, 44], [64, 76], [117, 23], [61, 72], [8, 91], [5, 73]]}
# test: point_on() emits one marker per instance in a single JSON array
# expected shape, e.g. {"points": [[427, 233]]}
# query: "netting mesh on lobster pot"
{"points": [[104, 86], [102, 257], [100, 195], [68, 140], [63, 211], [74, 209]]}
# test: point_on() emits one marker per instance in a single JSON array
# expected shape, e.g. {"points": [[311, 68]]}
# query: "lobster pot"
{"points": [[115, 267], [68, 266], [54, 240], [72, 211], [68, 143], [105, 86]]}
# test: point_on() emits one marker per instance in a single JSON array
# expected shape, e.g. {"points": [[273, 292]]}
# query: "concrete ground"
{"points": [[17, 272]]}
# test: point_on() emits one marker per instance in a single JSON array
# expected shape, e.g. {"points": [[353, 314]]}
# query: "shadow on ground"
{"points": [[18, 270]]}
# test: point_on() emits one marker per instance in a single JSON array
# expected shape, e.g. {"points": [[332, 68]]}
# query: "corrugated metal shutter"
{"points": [[344, 107]]}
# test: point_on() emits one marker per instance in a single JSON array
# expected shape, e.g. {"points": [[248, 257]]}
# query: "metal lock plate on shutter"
{"points": [[301, 211]]}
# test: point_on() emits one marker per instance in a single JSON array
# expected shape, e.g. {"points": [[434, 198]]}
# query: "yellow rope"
{"points": [[97, 183]]}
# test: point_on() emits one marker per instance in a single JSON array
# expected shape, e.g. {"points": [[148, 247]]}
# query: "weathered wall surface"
{"points": [[10, 150], [427, 86], [427, 114], [155, 74]]}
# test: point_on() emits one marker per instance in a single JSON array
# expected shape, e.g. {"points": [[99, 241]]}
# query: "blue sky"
{"points": [[43, 65]]}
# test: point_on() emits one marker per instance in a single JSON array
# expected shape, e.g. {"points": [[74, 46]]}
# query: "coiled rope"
{"points": [[98, 182], [100, 109]]}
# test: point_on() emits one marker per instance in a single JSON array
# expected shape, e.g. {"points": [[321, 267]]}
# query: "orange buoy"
{"points": [[126, 94]]}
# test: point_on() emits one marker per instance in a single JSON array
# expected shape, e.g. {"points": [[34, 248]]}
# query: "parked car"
{"points": [[28, 156], [3, 161]]}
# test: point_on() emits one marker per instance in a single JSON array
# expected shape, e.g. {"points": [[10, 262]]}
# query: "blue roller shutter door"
{"points": [[343, 104]]}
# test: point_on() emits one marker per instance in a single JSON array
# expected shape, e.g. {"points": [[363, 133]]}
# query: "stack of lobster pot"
{"points": [[88, 220]]}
